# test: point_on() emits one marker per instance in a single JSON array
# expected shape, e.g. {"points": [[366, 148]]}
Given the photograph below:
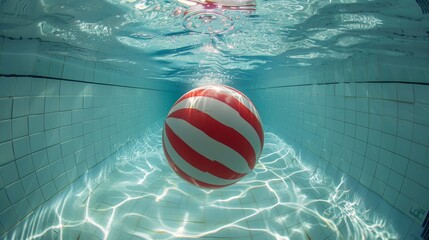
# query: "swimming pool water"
{"points": [[283, 198], [341, 86]]}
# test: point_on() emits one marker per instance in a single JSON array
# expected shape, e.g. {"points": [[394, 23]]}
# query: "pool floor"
{"points": [[144, 199]]}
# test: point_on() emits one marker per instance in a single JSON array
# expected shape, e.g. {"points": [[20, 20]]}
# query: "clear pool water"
{"points": [[142, 198], [341, 87]]}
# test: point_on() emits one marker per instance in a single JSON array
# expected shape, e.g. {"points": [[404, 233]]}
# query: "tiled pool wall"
{"points": [[59, 117], [366, 117]]}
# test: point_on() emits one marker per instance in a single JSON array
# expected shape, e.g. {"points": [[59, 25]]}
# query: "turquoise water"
{"points": [[138, 196], [147, 37], [341, 87]]}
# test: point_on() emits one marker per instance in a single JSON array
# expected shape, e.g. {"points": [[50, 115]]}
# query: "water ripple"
{"points": [[282, 198]]}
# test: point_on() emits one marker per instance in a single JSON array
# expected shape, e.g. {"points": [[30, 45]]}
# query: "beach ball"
{"points": [[213, 136]]}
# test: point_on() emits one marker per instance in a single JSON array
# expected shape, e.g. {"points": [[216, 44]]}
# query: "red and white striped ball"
{"points": [[213, 136]]}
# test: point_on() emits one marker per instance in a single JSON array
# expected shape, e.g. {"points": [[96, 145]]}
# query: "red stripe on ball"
{"points": [[197, 160], [218, 131], [238, 106], [187, 177]]}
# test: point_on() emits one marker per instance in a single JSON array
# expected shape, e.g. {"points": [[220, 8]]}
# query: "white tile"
{"points": [[361, 133], [6, 108], [360, 73], [421, 93], [66, 88], [67, 148], [72, 69], [359, 147], [8, 87], [8, 218], [21, 46], [19, 127], [375, 90], [61, 181], [52, 104], [5, 130], [49, 190], [66, 133], [78, 89], [78, 143], [54, 153], [418, 153], [350, 119], [88, 102], [395, 180], [37, 141], [37, 105], [421, 114], [366, 179], [52, 87], [72, 174], [374, 138], [386, 72], [362, 90], [369, 166], [77, 116], [350, 104], [405, 129], [41, 66], [406, 111], [389, 125], [390, 195], [56, 66], [38, 87], [52, 120], [25, 166], [420, 134], [21, 147], [22, 87], [405, 93], [355, 172], [57, 168], [89, 72], [65, 118], [9, 173], [22, 208], [412, 190], [4, 200], [40, 159], [35, 199], [376, 121], [36, 123], [15, 192], [390, 108], [382, 173], [70, 103], [20, 106], [44, 175], [403, 203], [362, 119], [7, 155], [372, 152], [30, 183], [400, 164], [424, 179], [414, 171], [17, 63], [52, 137], [378, 186], [402, 74], [390, 91]]}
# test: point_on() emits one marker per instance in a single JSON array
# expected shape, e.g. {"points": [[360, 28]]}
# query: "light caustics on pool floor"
{"points": [[144, 199]]}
